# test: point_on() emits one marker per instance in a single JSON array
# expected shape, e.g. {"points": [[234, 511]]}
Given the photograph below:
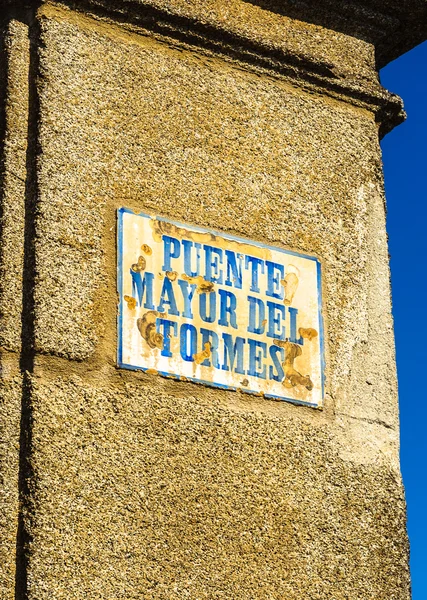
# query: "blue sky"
{"points": [[405, 170]]}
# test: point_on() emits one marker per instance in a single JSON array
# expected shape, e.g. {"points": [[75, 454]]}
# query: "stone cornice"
{"points": [[392, 26], [215, 26]]}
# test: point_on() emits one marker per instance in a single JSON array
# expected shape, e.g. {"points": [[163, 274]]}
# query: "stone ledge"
{"points": [[392, 26], [336, 47], [337, 65]]}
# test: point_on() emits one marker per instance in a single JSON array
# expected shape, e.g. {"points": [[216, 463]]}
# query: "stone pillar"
{"points": [[259, 119]]}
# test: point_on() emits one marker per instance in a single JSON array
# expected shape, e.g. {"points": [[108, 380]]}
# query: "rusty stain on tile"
{"points": [[131, 302], [290, 283], [147, 328], [161, 227], [140, 265], [202, 356], [292, 376], [307, 334], [146, 249], [203, 286]]}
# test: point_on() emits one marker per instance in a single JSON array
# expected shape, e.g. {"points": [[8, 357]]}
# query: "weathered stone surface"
{"points": [[154, 493], [10, 417], [14, 68], [283, 40], [393, 26], [13, 183], [167, 131]]}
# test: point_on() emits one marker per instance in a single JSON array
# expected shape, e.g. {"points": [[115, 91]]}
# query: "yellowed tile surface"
{"points": [[219, 310]]}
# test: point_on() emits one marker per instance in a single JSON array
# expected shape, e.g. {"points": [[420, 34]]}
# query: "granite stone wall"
{"points": [[121, 484]]}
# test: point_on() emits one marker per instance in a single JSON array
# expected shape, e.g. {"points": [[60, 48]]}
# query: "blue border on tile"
{"points": [[120, 212]]}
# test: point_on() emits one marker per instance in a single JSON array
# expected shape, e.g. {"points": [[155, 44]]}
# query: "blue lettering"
{"points": [[276, 316], [277, 362], [234, 269], [212, 307], [188, 341], [171, 249], [231, 351], [257, 351], [168, 297], [164, 327], [293, 312], [212, 338], [187, 258], [188, 294], [255, 264], [275, 273], [256, 325], [140, 285], [213, 257], [228, 305]]}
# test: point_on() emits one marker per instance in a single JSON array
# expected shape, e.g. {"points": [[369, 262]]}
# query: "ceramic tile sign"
{"points": [[219, 310]]}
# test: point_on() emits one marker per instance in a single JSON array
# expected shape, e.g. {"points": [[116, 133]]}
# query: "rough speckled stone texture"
{"points": [[144, 487], [163, 130], [14, 71], [148, 492], [277, 38], [348, 56], [13, 166], [10, 414], [393, 26]]}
